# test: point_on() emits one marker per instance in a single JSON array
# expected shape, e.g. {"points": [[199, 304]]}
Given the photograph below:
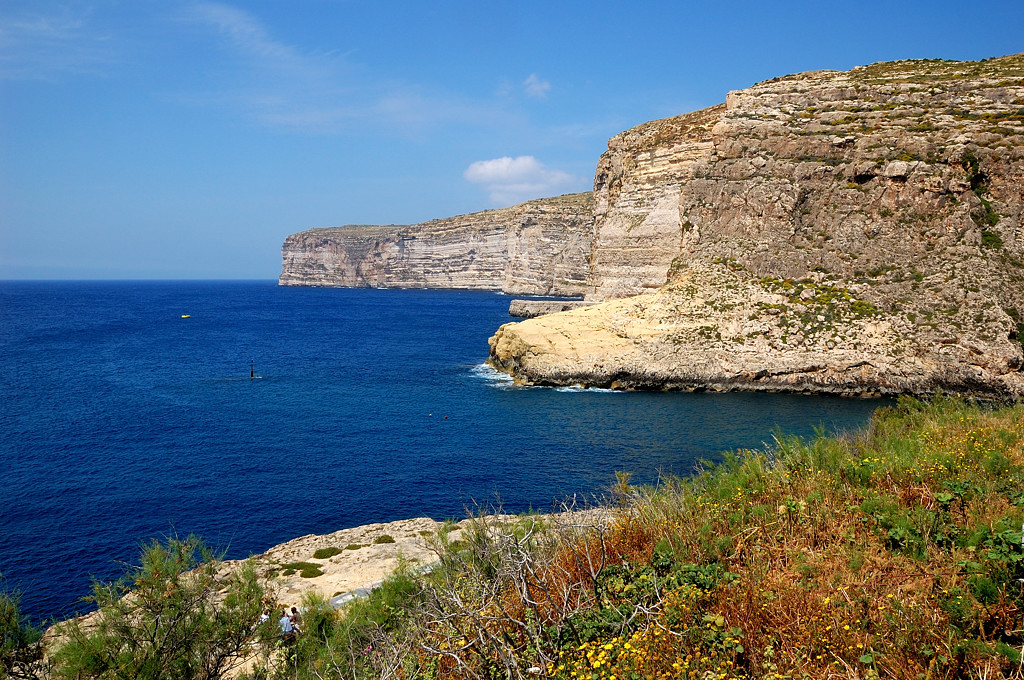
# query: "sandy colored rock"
{"points": [[717, 329], [866, 226], [350, 569]]}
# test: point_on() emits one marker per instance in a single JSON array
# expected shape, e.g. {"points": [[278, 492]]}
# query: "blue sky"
{"points": [[181, 139]]}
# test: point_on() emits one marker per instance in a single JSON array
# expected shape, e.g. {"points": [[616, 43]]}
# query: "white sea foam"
{"points": [[578, 388], [504, 381], [493, 376]]}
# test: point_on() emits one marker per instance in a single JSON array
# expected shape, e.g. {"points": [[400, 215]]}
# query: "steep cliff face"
{"points": [[831, 231], [539, 247], [636, 201]]}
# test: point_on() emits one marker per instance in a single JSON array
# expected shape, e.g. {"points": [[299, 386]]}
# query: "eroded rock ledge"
{"points": [[843, 232], [715, 329], [527, 309]]}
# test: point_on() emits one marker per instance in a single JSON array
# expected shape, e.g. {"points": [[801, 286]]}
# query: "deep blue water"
{"points": [[121, 421]]}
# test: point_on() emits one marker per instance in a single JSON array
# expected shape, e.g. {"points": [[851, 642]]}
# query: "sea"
{"points": [[251, 414]]}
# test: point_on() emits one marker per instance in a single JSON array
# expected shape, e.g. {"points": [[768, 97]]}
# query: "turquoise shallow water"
{"points": [[122, 421]]}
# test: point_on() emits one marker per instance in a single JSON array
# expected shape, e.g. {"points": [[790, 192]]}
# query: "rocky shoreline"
{"points": [[527, 309], [665, 341]]}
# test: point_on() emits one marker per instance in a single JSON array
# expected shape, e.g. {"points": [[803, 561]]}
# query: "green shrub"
{"points": [[20, 646], [169, 617], [991, 239], [325, 553], [384, 538], [305, 569], [359, 641]]}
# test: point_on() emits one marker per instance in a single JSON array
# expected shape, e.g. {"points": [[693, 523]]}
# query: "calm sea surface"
{"points": [[122, 421]]}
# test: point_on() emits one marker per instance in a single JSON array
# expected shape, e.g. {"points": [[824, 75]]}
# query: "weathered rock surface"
{"points": [[536, 248], [637, 188], [850, 232], [527, 309], [363, 559]]}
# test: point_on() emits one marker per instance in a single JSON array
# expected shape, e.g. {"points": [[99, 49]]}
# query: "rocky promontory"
{"points": [[854, 232], [535, 248], [849, 232]]}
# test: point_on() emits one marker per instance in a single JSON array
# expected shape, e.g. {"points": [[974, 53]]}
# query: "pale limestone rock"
{"points": [[892, 192], [741, 337]]}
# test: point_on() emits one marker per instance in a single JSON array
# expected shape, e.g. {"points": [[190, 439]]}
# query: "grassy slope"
{"points": [[897, 552], [894, 553]]}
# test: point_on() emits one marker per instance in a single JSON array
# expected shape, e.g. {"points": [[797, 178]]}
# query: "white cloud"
{"points": [[37, 45], [535, 87], [514, 180]]}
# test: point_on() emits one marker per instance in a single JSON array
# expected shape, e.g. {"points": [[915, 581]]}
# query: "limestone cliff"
{"points": [[539, 248], [851, 232]]}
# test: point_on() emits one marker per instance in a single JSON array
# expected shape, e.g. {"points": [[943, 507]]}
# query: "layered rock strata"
{"points": [[637, 232], [849, 232], [536, 248]]}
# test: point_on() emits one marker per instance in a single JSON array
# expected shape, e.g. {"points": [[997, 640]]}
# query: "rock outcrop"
{"points": [[536, 248], [527, 309], [850, 232]]}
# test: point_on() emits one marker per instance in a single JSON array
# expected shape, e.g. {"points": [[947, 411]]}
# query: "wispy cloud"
{"points": [[535, 87], [272, 82], [250, 38], [513, 180], [38, 45], [280, 85]]}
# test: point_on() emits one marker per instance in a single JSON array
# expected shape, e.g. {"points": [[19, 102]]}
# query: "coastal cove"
{"points": [[125, 421]]}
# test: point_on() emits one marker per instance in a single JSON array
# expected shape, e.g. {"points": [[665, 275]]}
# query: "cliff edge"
{"points": [[535, 248], [849, 232]]}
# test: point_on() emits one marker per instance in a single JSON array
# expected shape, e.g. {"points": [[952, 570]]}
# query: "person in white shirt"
{"points": [[286, 625]]}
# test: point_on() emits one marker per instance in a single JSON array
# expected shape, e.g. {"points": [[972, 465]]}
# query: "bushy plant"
{"points": [[325, 553], [305, 569], [173, 616], [366, 639], [20, 647]]}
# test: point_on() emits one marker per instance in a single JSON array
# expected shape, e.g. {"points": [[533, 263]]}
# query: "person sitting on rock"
{"points": [[296, 619], [287, 629]]}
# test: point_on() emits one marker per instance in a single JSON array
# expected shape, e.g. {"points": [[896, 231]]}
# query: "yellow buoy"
{"points": [[186, 316]]}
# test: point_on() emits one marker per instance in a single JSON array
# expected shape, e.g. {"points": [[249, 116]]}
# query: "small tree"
{"points": [[170, 617], [20, 646]]}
